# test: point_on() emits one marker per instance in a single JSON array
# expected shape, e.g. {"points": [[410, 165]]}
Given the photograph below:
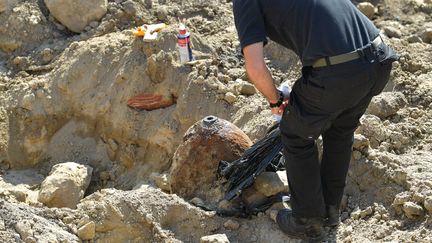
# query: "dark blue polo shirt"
{"points": [[311, 28]]}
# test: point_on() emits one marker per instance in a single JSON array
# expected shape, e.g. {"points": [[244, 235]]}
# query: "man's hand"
{"points": [[280, 110]]}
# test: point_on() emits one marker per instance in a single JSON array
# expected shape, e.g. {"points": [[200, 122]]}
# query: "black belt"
{"points": [[346, 57]]}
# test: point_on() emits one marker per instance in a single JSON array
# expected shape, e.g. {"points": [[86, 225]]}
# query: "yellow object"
{"points": [[149, 32], [140, 31]]}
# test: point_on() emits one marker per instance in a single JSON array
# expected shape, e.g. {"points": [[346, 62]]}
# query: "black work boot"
{"points": [[333, 216], [309, 229]]}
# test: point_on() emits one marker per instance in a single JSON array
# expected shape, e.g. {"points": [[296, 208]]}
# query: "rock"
{"points": [[246, 88], [367, 9], [271, 183], [162, 13], [356, 155], [360, 141], [412, 210], [427, 35], [196, 160], [218, 238], [387, 104], [19, 195], [401, 198], [87, 231], [3, 5], [77, 14], [428, 204], [356, 214], [366, 212], [392, 32], [197, 202], [47, 55], [161, 181], [24, 229], [414, 39], [65, 185], [230, 97], [28, 101], [231, 225]]}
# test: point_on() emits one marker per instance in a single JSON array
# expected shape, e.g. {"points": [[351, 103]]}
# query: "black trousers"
{"points": [[327, 101]]}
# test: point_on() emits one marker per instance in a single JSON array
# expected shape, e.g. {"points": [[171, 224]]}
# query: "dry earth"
{"points": [[63, 98]]}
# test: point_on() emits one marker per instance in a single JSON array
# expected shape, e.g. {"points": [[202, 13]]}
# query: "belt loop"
{"points": [[327, 60]]}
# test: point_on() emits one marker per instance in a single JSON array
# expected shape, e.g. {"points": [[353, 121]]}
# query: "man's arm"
{"points": [[259, 74]]}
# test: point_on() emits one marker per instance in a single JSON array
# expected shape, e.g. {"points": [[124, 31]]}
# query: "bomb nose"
{"points": [[209, 120]]}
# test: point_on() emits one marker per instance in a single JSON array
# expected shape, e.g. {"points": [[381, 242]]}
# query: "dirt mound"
{"points": [[64, 96]]}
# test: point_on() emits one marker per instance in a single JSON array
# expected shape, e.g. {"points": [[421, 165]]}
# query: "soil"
{"points": [[63, 97]]}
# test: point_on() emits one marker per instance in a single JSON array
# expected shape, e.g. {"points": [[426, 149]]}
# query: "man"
{"points": [[345, 63]]}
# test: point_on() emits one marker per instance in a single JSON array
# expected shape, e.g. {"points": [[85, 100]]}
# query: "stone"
{"points": [[24, 229], [366, 212], [392, 32], [218, 238], [161, 181], [246, 88], [360, 141], [87, 231], [28, 101], [428, 204], [3, 5], [356, 214], [47, 55], [65, 185], [412, 210], [356, 155], [77, 14], [387, 104], [367, 9], [197, 202], [427, 35], [414, 39], [19, 195], [196, 161], [230, 97], [231, 225], [162, 13], [271, 183]]}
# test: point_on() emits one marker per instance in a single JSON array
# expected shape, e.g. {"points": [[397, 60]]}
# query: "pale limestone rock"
{"points": [[387, 104], [428, 204], [161, 181], [360, 141], [412, 210], [367, 9], [271, 183], [87, 231], [246, 88], [24, 229], [218, 238], [77, 14], [392, 32], [65, 185], [27, 101], [230, 97]]}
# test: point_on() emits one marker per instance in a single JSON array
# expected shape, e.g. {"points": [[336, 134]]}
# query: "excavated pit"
{"points": [[64, 97]]}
